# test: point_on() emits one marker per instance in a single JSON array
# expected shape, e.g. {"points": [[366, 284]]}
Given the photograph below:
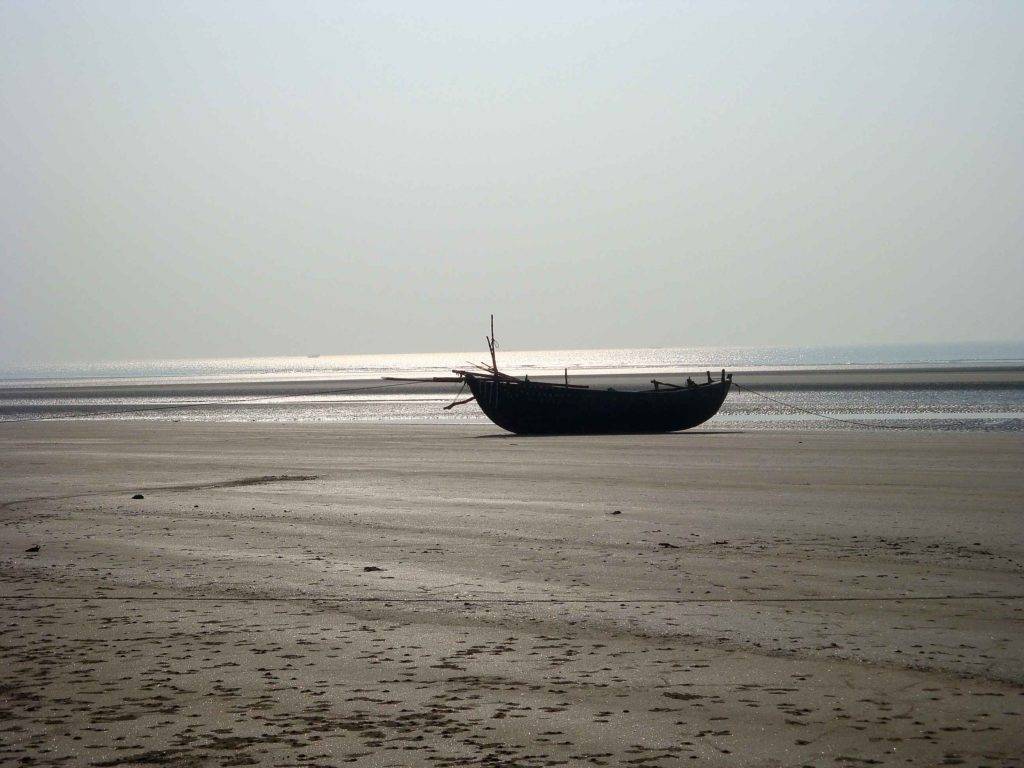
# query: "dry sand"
{"points": [[759, 599]]}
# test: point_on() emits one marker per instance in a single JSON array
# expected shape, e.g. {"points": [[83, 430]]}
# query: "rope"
{"points": [[455, 402], [819, 414], [172, 406]]}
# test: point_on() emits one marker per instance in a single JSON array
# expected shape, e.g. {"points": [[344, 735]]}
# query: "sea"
{"points": [[909, 386]]}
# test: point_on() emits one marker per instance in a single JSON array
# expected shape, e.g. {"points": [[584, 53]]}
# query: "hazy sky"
{"points": [[237, 178]]}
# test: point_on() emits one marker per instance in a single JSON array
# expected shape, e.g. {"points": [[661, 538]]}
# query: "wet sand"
{"points": [[720, 598]]}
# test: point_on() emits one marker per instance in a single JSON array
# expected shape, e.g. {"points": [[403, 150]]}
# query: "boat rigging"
{"points": [[547, 408]]}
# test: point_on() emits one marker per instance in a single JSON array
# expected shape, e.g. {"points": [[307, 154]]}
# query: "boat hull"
{"points": [[530, 408]]}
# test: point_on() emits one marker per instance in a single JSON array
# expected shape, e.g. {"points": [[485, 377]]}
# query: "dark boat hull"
{"points": [[529, 408]]}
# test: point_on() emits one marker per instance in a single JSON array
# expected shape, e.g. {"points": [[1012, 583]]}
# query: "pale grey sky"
{"points": [[238, 178]]}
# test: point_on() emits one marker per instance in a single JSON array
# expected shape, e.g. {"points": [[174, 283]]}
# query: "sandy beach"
{"points": [[374, 595]]}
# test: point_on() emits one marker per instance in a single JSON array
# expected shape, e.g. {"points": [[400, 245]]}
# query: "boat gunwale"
{"points": [[507, 380]]}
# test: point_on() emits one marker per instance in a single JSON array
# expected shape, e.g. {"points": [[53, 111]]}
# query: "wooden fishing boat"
{"points": [[538, 408], [546, 408]]}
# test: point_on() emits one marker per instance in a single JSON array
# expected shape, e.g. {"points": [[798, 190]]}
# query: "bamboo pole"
{"points": [[491, 343]]}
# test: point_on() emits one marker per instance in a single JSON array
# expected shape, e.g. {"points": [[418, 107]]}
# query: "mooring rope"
{"points": [[200, 404], [811, 412], [456, 401]]}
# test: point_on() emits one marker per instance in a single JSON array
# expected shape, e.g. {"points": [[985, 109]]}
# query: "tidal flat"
{"points": [[448, 595]]}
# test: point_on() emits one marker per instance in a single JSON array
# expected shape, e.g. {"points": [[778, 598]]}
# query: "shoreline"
{"points": [[930, 377]]}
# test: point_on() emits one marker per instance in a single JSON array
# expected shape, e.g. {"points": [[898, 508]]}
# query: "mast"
{"points": [[491, 345]]}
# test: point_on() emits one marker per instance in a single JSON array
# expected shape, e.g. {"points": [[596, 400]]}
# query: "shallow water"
{"points": [[946, 409], [230, 389], [580, 361]]}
